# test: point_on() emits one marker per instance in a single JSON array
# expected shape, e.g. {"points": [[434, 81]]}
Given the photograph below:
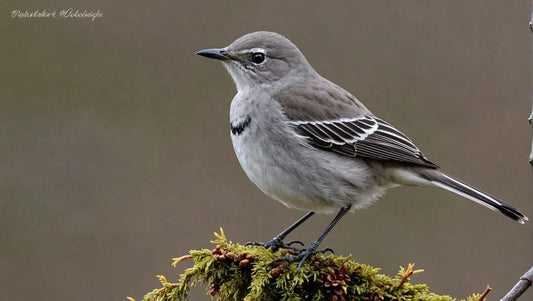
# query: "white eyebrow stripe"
{"points": [[253, 50]]}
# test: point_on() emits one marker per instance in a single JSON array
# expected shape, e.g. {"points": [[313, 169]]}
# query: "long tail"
{"points": [[478, 196]]}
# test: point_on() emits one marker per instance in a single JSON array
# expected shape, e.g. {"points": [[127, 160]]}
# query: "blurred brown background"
{"points": [[115, 153]]}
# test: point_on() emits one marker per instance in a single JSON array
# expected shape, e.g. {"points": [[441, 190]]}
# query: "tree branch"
{"points": [[531, 115], [520, 287]]}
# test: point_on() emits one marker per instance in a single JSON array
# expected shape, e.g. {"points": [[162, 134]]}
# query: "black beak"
{"points": [[219, 54]]}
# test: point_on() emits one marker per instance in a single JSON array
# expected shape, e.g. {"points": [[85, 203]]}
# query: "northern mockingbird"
{"points": [[312, 145]]}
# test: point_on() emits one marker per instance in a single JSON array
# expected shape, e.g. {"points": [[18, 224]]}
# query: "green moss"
{"points": [[235, 272]]}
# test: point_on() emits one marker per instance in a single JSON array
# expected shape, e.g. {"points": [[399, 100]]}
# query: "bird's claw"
{"points": [[276, 244], [290, 243], [302, 255], [326, 250]]}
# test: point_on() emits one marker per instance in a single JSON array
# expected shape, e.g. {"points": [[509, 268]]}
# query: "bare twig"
{"points": [[485, 293], [531, 115], [520, 287]]}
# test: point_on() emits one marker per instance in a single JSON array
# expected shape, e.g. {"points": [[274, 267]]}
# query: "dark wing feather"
{"points": [[365, 137], [334, 120]]}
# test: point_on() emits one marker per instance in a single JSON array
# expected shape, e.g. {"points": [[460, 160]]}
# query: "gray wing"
{"points": [[334, 120], [366, 137]]}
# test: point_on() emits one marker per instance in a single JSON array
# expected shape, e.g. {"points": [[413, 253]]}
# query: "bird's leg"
{"points": [[305, 253], [277, 242]]}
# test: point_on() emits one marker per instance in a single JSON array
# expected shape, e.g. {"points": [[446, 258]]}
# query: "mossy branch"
{"points": [[236, 272]]}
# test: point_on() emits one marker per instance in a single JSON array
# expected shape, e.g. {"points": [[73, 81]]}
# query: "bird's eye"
{"points": [[258, 57]]}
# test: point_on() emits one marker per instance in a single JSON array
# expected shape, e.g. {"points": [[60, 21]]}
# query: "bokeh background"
{"points": [[115, 153]]}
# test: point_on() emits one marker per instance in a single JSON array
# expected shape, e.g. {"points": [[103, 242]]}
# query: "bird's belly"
{"points": [[300, 177]]}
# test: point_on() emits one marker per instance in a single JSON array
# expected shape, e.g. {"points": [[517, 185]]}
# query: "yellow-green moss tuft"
{"points": [[236, 272]]}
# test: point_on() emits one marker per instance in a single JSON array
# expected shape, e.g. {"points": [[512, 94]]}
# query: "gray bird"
{"points": [[312, 145]]}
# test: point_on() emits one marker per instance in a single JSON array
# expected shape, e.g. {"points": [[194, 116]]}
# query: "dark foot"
{"points": [[326, 250], [276, 244], [301, 256]]}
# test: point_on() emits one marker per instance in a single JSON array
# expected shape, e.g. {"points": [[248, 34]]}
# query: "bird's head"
{"points": [[262, 58]]}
